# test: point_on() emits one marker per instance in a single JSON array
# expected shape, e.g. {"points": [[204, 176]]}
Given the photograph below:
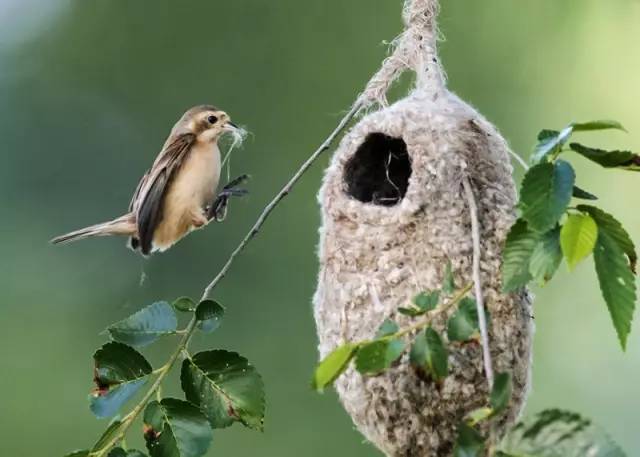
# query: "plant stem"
{"points": [[188, 331], [280, 195], [135, 412], [427, 320]]}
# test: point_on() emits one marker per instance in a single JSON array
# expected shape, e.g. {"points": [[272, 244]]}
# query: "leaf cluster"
{"points": [[427, 349], [549, 230], [220, 387]]}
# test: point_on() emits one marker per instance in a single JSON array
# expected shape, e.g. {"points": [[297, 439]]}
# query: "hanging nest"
{"points": [[395, 213]]}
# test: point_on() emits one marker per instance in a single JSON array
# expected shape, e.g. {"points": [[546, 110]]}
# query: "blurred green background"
{"points": [[90, 89]]}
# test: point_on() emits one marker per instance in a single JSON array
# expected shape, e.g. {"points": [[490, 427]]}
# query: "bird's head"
{"points": [[207, 123]]}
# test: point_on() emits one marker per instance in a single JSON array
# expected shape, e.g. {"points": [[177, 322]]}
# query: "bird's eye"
{"points": [[212, 119]]}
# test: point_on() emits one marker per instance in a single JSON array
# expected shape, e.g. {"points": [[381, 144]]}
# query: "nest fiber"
{"points": [[394, 214]]}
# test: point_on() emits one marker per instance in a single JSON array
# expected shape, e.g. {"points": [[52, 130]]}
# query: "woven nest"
{"points": [[394, 214]]}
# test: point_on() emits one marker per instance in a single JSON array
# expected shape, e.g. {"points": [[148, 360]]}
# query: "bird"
{"points": [[178, 193]]}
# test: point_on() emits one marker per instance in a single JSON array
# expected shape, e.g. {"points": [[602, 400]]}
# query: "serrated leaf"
{"points": [[558, 433], [145, 326], [578, 238], [625, 160], [617, 284], [583, 194], [546, 192], [501, 392], [427, 301], [613, 228], [176, 428], [226, 387], [469, 442], [478, 415], [546, 257], [209, 315], [463, 324], [333, 365], [378, 355], [119, 452], [516, 256], [387, 328], [429, 353], [120, 371], [597, 125], [448, 284], [185, 305]]}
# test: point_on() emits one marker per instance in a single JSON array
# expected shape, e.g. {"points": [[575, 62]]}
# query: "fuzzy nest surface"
{"points": [[394, 213]]}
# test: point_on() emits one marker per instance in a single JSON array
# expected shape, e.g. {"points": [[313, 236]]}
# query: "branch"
{"points": [[191, 327], [283, 193], [482, 318], [436, 312]]}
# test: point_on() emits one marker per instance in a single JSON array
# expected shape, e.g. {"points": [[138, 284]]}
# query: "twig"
{"points": [[482, 318], [189, 330], [135, 412], [427, 320], [519, 159], [283, 193]]}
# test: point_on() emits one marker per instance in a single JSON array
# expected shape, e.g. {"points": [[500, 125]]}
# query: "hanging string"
{"points": [[415, 49]]}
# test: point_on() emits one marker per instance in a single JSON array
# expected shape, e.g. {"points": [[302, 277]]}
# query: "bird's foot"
{"points": [[218, 209]]}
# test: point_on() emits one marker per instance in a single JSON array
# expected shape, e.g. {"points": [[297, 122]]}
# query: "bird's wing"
{"points": [[149, 198], [136, 195]]}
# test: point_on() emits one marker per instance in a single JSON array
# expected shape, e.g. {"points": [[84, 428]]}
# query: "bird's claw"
{"points": [[218, 209]]}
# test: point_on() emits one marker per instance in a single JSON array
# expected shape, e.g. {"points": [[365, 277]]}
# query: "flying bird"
{"points": [[179, 193]]}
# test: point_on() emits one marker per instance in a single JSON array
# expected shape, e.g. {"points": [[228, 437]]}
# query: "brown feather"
{"points": [[149, 203]]}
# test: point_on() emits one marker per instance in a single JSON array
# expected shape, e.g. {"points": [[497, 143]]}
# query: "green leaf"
{"points": [[617, 284], [558, 433], [625, 160], [469, 442], [411, 312], [478, 415], [448, 284], [430, 354], [597, 125], [145, 326], [120, 371], [463, 324], [185, 305], [119, 452], [387, 328], [546, 257], [610, 225], [209, 315], [333, 366], [226, 387], [501, 392], [518, 250], [578, 238], [427, 301], [79, 453], [546, 192], [376, 356], [176, 428], [583, 194], [550, 142]]}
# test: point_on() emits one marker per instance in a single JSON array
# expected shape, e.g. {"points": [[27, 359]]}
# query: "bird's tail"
{"points": [[124, 225]]}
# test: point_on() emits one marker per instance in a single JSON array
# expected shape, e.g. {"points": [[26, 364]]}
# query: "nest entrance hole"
{"points": [[379, 171]]}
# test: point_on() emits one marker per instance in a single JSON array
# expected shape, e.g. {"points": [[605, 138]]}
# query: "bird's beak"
{"points": [[231, 127]]}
